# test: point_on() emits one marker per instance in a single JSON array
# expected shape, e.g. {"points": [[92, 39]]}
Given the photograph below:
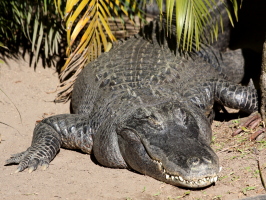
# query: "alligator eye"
{"points": [[207, 160], [153, 121], [142, 113], [180, 117]]}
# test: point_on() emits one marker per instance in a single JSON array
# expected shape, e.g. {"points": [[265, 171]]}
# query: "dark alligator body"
{"points": [[147, 107]]}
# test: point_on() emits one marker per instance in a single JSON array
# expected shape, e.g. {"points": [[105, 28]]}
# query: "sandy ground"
{"points": [[73, 175]]}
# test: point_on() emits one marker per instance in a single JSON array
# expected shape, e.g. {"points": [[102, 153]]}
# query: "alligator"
{"points": [[147, 107]]}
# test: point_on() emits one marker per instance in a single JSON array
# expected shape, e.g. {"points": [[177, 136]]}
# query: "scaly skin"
{"points": [[145, 106]]}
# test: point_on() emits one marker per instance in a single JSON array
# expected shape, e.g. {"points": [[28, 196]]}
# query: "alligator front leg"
{"points": [[225, 93], [69, 131], [236, 96], [243, 98]]}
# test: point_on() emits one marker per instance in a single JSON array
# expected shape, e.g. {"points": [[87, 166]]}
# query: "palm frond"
{"points": [[194, 19], [2, 45], [88, 34]]}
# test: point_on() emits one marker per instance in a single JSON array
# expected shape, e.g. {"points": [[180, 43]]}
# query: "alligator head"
{"points": [[171, 143]]}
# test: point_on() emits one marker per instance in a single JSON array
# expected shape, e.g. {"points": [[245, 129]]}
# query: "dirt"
{"points": [[74, 175]]}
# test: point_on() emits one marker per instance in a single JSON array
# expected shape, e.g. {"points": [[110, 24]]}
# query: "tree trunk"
{"points": [[263, 83]]}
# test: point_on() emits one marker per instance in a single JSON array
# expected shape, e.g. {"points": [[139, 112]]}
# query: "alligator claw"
{"points": [[31, 169], [44, 166], [251, 123], [18, 170]]}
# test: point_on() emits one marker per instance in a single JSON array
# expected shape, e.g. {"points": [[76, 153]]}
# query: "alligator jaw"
{"points": [[138, 159], [181, 181]]}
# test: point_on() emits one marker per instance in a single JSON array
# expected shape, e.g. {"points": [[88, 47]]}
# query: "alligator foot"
{"points": [[251, 123], [28, 159]]}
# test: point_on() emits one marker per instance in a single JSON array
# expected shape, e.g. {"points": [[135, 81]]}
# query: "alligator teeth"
{"points": [[198, 182]]}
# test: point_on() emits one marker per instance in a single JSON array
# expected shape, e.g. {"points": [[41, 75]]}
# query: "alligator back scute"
{"points": [[139, 68]]}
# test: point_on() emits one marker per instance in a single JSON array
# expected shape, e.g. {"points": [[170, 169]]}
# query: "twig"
{"points": [[261, 177], [13, 105], [251, 123], [225, 149], [256, 134], [10, 127]]}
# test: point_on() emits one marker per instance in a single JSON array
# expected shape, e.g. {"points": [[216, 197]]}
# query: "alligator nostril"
{"points": [[194, 161], [207, 160]]}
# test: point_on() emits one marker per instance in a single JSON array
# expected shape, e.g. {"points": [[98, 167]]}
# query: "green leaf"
{"points": [[195, 18], [35, 33], [38, 46]]}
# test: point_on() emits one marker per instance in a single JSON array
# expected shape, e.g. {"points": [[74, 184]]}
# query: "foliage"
{"points": [[32, 23], [88, 28]]}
